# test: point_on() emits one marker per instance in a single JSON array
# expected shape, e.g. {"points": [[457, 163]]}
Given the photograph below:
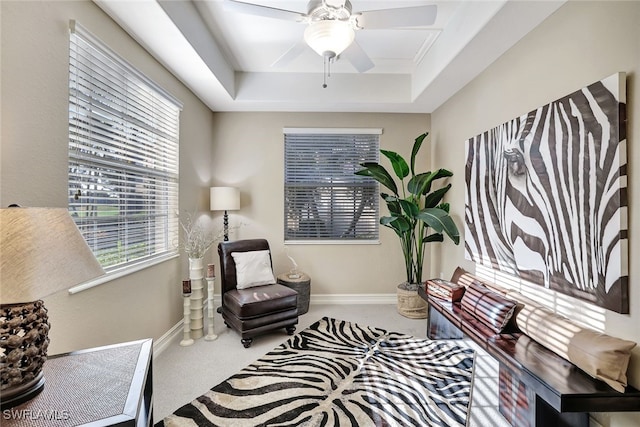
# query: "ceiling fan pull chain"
{"points": [[326, 69]]}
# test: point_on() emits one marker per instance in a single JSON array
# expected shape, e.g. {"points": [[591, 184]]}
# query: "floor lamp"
{"points": [[224, 199], [42, 252]]}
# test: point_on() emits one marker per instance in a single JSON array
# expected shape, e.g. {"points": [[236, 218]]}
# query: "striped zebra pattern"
{"points": [[546, 196], [339, 373]]}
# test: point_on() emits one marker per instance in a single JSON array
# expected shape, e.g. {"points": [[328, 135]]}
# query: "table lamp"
{"points": [[41, 252], [224, 199]]}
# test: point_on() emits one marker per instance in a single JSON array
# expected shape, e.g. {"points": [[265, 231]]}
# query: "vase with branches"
{"points": [[196, 239], [416, 212]]}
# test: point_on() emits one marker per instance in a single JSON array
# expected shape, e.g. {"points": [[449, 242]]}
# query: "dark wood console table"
{"points": [[536, 386], [103, 386]]}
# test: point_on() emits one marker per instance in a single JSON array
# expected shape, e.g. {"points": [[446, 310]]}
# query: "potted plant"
{"points": [[416, 214]]}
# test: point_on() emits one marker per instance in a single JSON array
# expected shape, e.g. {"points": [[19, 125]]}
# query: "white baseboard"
{"points": [[165, 340], [341, 299], [175, 332], [352, 299]]}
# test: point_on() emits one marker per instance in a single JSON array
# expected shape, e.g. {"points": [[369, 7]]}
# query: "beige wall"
{"points": [[34, 79], [581, 43], [249, 153], [243, 149]]}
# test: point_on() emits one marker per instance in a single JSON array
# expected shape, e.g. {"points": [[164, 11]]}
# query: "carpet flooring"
{"points": [[340, 373]]}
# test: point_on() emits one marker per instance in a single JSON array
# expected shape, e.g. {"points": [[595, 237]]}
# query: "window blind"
{"points": [[123, 156], [324, 199]]}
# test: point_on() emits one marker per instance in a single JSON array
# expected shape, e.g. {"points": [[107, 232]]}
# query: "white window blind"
{"points": [[324, 199], [123, 156]]}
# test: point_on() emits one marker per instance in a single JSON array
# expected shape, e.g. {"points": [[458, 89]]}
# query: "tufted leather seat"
{"points": [[256, 310]]}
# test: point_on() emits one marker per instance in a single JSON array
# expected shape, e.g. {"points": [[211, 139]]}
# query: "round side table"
{"points": [[302, 285]]}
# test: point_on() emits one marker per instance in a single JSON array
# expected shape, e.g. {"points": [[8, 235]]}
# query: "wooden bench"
{"points": [[536, 386]]}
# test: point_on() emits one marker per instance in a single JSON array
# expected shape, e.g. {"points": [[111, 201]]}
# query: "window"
{"points": [[324, 199], [123, 156]]}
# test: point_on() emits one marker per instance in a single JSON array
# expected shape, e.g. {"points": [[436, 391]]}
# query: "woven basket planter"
{"points": [[410, 304]]}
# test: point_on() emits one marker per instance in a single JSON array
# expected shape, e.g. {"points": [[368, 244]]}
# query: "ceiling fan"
{"points": [[331, 27]]}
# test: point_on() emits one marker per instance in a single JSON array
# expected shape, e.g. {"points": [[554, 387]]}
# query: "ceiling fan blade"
{"points": [[291, 54], [264, 11], [418, 16], [358, 57]]}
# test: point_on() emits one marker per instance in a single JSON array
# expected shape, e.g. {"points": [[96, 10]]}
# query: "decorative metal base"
{"points": [[225, 226], [15, 396], [24, 329]]}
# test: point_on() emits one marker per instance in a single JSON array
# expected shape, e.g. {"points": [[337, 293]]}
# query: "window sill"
{"points": [[121, 273]]}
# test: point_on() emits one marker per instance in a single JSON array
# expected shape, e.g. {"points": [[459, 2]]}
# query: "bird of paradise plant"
{"points": [[416, 212]]}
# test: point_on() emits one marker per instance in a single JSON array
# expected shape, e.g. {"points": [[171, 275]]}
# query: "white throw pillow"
{"points": [[253, 268]]}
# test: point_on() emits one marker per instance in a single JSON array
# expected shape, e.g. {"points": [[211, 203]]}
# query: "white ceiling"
{"points": [[226, 57]]}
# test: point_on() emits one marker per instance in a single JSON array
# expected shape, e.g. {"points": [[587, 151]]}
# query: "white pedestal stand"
{"points": [[186, 337], [197, 295], [210, 334]]}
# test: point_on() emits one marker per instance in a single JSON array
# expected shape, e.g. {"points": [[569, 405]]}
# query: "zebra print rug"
{"points": [[340, 373]]}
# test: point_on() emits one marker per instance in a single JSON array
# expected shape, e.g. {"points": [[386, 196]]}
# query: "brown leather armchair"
{"points": [[254, 310]]}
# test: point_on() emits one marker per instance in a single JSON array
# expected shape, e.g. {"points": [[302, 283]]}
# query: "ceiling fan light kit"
{"points": [[329, 36], [332, 24]]}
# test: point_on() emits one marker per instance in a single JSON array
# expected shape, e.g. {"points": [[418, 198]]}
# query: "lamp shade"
{"points": [[41, 252], [329, 36], [224, 199]]}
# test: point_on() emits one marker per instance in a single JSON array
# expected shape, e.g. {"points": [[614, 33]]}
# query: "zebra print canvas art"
{"points": [[546, 195], [340, 373]]}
